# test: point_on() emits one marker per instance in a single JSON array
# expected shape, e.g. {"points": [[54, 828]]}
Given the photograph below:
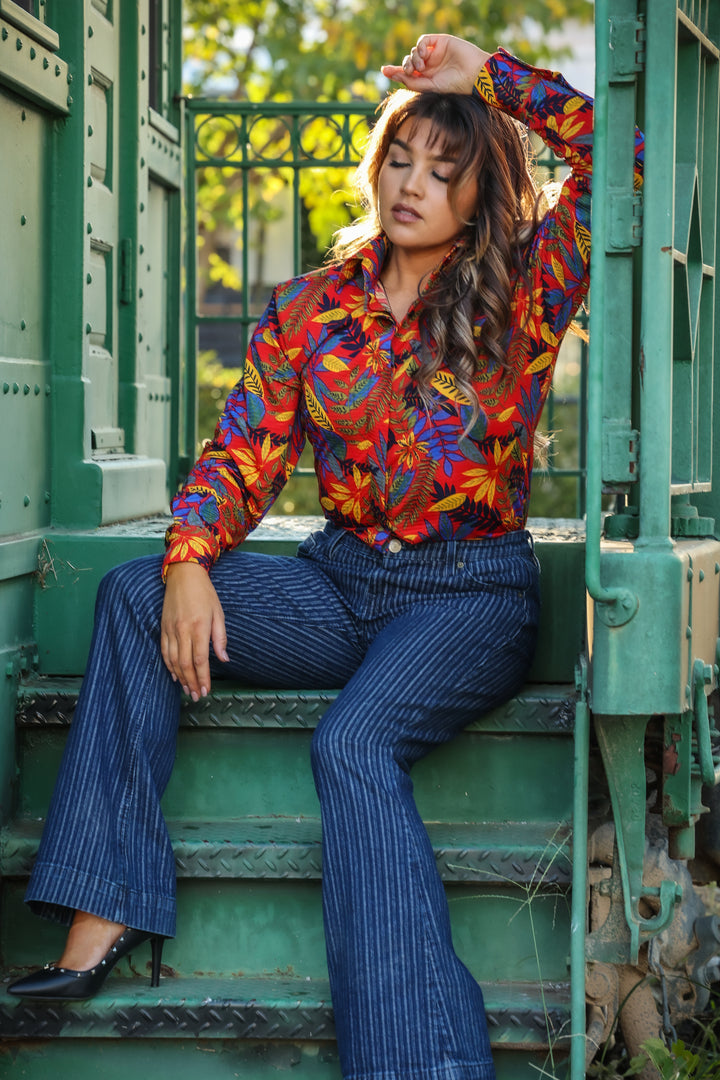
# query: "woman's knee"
{"points": [[135, 584]]}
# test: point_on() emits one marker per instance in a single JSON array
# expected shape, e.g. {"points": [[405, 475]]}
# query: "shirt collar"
{"points": [[370, 260]]}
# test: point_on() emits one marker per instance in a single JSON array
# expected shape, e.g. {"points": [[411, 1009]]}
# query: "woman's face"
{"points": [[413, 203]]}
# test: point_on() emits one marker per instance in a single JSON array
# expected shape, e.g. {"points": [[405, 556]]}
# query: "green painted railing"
{"points": [[239, 149]]}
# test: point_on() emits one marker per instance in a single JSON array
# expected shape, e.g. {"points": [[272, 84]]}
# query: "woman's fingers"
{"points": [[192, 617]]}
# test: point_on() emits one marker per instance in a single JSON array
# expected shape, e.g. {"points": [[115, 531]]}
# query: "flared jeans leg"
{"points": [[105, 847], [405, 1006]]}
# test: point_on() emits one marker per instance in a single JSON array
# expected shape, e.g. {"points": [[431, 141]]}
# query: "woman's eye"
{"points": [[397, 164], [442, 179]]}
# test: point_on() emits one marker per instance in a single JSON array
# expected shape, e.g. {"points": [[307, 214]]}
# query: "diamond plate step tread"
{"points": [[537, 709], [267, 848], [519, 1015]]}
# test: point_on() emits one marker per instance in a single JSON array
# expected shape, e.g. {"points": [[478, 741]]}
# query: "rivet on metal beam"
{"points": [[23, 219], [89, 279], [140, 337], [701, 575], [69, 78], [142, 207], [23, 116], [26, 500], [90, 129], [69, 101], [6, 388], [26, 389], [90, 80], [142, 162], [88, 328], [141, 249], [46, 63], [89, 181], [47, 496], [23, 324], [36, 389], [143, 30], [89, 227], [18, 44], [4, 33], [90, 31], [142, 121], [16, 388], [142, 75], [33, 54], [58, 70], [140, 293]]}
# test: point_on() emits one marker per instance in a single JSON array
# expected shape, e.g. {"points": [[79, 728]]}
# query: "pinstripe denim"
{"points": [[422, 640]]}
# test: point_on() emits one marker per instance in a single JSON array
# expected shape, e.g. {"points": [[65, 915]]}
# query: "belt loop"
{"points": [[335, 540], [450, 553]]}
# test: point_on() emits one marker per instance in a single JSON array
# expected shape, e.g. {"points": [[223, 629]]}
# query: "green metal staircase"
{"points": [[244, 982]]}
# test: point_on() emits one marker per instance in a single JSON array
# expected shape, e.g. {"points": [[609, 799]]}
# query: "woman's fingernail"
{"points": [[194, 696], [186, 689], [203, 691]]}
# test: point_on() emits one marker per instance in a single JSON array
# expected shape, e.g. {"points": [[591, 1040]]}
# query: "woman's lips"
{"points": [[404, 213]]}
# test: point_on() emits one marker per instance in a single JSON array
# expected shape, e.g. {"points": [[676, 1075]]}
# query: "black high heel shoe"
{"points": [[63, 984]]}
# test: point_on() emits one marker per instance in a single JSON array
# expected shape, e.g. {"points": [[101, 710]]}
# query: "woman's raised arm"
{"points": [[439, 62]]}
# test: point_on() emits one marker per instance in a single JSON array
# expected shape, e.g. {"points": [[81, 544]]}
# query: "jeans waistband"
{"points": [[428, 551]]}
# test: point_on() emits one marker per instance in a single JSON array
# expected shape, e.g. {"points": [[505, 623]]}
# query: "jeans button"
{"points": [[395, 546]]}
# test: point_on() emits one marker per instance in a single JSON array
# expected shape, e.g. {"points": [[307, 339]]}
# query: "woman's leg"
{"points": [[105, 849], [405, 1007]]}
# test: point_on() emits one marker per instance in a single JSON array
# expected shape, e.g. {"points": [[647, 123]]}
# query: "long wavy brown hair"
{"points": [[491, 149]]}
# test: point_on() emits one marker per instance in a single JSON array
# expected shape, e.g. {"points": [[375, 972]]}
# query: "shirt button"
{"points": [[395, 546]]}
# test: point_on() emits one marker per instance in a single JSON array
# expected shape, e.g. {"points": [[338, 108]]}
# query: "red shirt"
{"points": [[329, 363]]}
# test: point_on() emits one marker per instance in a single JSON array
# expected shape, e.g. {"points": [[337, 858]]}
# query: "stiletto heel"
{"points": [[63, 984], [156, 946]]}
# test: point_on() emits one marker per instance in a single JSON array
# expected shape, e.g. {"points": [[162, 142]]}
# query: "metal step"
{"points": [[519, 1015], [538, 708], [519, 852]]}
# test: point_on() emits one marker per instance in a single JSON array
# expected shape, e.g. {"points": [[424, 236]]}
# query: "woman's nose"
{"points": [[412, 181]]}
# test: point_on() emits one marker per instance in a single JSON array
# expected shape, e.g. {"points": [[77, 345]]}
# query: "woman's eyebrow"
{"points": [[435, 157]]}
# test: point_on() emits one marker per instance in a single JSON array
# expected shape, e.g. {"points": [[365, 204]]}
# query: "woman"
{"points": [[417, 364]]}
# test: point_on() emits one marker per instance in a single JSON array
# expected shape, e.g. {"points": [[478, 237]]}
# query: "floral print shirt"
{"points": [[329, 363]]}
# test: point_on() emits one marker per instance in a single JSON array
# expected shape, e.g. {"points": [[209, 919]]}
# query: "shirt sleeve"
{"points": [[256, 446], [559, 256]]}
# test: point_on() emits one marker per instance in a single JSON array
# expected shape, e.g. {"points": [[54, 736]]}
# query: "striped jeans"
{"points": [[422, 640]]}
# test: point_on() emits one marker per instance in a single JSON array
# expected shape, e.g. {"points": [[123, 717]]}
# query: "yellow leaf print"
{"points": [[484, 85], [573, 104], [316, 410], [252, 379], [582, 239], [540, 363], [329, 316], [547, 335], [292, 353], [446, 383], [334, 363], [284, 417], [504, 416], [451, 502], [483, 479], [365, 444], [558, 271]]}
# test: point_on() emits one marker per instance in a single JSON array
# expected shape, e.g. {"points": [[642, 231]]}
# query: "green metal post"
{"points": [[579, 893], [617, 600], [656, 372], [188, 396]]}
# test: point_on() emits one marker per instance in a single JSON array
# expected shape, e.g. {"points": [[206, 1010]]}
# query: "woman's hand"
{"points": [[439, 62], [192, 617]]}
